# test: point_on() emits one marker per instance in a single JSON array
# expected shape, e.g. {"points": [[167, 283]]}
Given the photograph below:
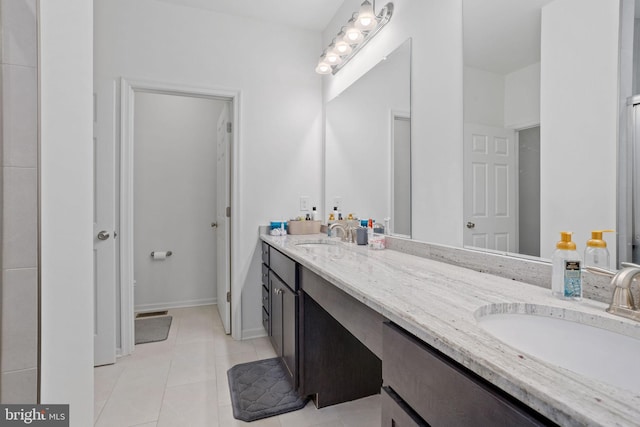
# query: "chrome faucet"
{"points": [[347, 231], [622, 303]]}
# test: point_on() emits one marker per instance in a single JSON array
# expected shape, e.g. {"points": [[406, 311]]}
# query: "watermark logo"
{"points": [[34, 415]]}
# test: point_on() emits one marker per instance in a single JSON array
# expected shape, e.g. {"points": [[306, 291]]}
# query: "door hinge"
{"points": [[229, 127], [228, 211], [229, 296]]}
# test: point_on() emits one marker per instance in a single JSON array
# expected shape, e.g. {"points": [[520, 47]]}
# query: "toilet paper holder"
{"points": [[169, 253]]}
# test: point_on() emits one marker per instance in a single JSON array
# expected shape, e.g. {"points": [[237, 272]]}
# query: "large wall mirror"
{"points": [[502, 125], [541, 101], [368, 144], [540, 108]]}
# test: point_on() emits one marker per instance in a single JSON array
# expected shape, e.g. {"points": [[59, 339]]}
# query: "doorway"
{"points": [[175, 200], [118, 312]]}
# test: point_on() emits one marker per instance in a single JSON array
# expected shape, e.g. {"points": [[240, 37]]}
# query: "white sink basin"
{"points": [[597, 347], [316, 244]]}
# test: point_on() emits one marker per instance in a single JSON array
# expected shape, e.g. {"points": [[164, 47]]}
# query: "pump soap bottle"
{"points": [[596, 253], [566, 279]]}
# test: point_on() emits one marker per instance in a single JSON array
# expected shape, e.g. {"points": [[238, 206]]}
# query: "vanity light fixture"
{"points": [[361, 28]]}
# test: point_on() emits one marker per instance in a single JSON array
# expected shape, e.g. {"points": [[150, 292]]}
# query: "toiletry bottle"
{"points": [[314, 214], [566, 280], [336, 214], [596, 253], [370, 232]]}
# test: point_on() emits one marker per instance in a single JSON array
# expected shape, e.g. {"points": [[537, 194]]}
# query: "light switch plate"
{"points": [[304, 203]]}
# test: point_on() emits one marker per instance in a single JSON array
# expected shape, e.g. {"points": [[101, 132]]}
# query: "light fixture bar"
{"points": [[382, 19]]}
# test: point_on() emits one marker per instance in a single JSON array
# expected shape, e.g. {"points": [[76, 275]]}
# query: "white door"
{"points": [[104, 249], [491, 185], [222, 219]]}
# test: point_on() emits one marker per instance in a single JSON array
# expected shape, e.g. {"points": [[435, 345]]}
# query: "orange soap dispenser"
{"points": [[596, 253], [566, 279]]}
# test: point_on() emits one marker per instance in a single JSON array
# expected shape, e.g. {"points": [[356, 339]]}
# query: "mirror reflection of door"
{"points": [[490, 180], [502, 69], [502, 173], [401, 175]]}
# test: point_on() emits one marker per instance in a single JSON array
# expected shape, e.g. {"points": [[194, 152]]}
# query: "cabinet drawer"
{"points": [[284, 267], [265, 253], [265, 299], [265, 275], [396, 413], [443, 392], [265, 321]]}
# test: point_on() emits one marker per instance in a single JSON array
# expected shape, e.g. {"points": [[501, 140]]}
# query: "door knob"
{"points": [[103, 235], [470, 225], [214, 225]]}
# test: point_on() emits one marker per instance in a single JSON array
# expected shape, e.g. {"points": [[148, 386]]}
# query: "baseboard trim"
{"points": [[174, 304], [248, 334]]}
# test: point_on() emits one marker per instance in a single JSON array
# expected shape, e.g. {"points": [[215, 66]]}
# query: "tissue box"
{"points": [[304, 227]]}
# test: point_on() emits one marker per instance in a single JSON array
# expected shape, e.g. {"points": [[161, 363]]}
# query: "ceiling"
{"points": [[502, 35], [305, 14]]}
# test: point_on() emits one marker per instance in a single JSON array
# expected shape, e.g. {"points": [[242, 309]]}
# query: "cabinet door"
{"points": [[289, 332], [277, 293], [396, 413]]}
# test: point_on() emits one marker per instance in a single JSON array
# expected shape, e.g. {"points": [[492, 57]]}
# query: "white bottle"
{"points": [[315, 216], [566, 279], [596, 253]]}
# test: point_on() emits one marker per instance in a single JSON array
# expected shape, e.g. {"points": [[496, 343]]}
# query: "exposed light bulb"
{"points": [[366, 17], [353, 35], [332, 57], [342, 48], [323, 68]]}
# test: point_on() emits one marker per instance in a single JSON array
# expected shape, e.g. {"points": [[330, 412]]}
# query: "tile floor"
{"points": [[183, 382]]}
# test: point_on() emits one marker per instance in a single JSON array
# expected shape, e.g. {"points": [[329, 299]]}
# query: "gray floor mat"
{"points": [[152, 329], [262, 389]]}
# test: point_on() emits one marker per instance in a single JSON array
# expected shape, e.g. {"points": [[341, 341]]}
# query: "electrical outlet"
{"points": [[304, 203], [337, 202]]}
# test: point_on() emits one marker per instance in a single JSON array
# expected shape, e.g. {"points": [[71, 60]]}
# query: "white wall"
{"points": [[174, 200], [280, 125], [522, 97], [66, 184], [483, 97], [509, 101], [435, 27], [579, 47]]}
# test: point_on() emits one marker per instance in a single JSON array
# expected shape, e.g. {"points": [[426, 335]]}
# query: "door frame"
{"points": [[128, 89], [402, 115]]}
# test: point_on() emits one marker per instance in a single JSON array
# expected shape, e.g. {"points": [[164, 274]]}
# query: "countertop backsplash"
{"points": [[518, 268]]}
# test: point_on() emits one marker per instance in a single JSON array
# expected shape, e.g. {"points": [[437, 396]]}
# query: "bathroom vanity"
{"points": [[419, 318]]}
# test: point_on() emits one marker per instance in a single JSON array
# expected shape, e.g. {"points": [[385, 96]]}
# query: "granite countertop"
{"points": [[439, 302]]}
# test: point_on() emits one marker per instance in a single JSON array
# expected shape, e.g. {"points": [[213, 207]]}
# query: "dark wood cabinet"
{"points": [[441, 391], [280, 306], [396, 413], [338, 349]]}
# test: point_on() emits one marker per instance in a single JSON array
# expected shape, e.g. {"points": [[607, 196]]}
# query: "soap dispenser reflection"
{"points": [[596, 253]]}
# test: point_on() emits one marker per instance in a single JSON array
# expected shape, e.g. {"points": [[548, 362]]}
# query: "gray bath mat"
{"points": [[262, 389], [152, 329]]}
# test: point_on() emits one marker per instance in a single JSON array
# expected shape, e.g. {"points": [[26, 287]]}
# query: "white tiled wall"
{"points": [[19, 175]]}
